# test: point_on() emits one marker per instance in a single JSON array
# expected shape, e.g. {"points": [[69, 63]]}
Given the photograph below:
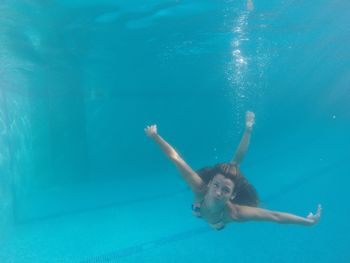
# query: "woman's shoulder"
{"points": [[232, 212], [199, 195]]}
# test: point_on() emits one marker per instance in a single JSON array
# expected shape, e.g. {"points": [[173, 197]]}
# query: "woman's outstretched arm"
{"points": [[246, 213], [191, 177], [244, 143]]}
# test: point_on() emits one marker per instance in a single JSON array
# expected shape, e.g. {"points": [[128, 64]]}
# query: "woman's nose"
{"points": [[218, 193]]}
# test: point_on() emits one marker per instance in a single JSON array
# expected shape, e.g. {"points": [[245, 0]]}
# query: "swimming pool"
{"points": [[79, 180]]}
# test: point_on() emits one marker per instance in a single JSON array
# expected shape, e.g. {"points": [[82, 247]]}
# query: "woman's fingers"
{"points": [[250, 118], [319, 209], [151, 129]]}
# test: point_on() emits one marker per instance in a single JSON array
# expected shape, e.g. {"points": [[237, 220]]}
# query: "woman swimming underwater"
{"points": [[221, 193]]}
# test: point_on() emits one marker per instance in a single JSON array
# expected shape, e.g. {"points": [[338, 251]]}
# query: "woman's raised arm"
{"points": [[244, 143], [191, 177]]}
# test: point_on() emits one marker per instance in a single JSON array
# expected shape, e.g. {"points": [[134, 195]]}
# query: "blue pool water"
{"points": [[79, 180]]}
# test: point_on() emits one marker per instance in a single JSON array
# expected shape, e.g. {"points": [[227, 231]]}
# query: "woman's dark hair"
{"points": [[245, 192]]}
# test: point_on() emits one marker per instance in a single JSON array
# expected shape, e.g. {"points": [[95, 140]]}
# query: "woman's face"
{"points": [[220, 188]]}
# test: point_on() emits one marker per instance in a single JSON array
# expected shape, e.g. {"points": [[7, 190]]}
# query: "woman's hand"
{"points": [[151, 130], [249, 119], [314, 218], [250, 5]]}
